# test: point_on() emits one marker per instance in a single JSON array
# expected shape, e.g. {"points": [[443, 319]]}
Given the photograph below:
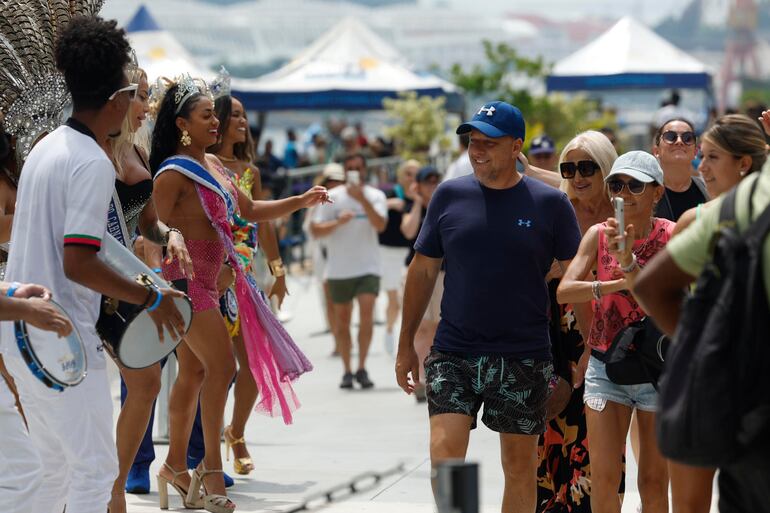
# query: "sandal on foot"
{"points": [[211, 502]]}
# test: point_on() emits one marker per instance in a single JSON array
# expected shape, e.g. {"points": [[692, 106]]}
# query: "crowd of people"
{"points": [[514, 277]]}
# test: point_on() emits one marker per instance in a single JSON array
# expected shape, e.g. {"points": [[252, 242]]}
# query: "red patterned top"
{"points": [[617, 310]]}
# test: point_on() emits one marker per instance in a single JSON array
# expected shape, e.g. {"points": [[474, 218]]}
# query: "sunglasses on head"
{"points": [[670, 137], [586, 168], [130, 89], [634, 186]]}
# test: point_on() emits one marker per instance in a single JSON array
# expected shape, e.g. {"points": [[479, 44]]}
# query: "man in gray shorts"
{"points": [[349, 226]]}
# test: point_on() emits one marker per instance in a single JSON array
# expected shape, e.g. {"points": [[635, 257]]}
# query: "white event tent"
{"points": [[349, 67], [158, 52], [628, 56]]}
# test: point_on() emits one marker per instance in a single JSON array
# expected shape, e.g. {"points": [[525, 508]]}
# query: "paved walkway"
{"points": [[338, 435]]}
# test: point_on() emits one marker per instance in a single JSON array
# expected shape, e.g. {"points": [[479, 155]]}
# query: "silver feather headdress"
{"points": [[33, 94]]}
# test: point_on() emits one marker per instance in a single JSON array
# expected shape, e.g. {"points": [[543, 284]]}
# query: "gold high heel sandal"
{"points": [[211, 502], [242, 466], [189, 500]]}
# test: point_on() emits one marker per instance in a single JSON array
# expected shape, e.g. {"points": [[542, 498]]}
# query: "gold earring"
{"points": [[185, 139]]}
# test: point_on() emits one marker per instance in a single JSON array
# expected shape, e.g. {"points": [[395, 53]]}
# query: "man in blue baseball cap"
{"points": [[497, 233]]}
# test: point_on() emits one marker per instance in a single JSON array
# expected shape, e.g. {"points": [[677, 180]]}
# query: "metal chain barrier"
{"points": [[359, 484]]}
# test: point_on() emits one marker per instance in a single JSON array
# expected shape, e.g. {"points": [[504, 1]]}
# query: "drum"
{"points": [[58, 362], [128, 332]]}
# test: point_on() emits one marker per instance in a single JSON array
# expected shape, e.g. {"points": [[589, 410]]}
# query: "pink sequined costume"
{"points": [[274, 358], [207, 257]]}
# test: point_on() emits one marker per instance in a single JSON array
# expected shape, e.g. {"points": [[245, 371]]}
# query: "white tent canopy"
{"points": [[158, 52], [628, 55], [348, 67]]}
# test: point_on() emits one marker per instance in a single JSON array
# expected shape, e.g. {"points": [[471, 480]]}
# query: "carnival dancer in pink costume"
{"points": [[193, 193]]}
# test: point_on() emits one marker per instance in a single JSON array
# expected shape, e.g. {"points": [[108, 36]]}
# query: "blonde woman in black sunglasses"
{"points": [[637, 178], [564, 464], [675, 147]]}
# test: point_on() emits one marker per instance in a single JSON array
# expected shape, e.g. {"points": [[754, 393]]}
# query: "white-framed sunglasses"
{"points": [[130, 89]]}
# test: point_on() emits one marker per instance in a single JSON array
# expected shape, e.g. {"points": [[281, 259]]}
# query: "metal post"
{"points": [[457, 487], [167, 378]]}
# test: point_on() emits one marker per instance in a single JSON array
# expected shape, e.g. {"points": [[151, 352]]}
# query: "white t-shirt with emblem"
{"points": [[353, 249], [63, 196]]}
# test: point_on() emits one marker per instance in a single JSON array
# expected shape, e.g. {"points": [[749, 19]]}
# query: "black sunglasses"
{"points": [[586, 168], [635, 187], [670, 137]]}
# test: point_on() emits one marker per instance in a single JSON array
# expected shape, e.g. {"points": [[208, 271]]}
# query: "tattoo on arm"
{"points": [[157, 233]]}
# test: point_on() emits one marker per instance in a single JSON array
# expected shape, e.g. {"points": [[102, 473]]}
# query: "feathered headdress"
{"points": [[33, 94]]}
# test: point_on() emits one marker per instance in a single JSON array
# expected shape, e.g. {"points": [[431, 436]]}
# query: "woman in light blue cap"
{"points": [[637, 178]]}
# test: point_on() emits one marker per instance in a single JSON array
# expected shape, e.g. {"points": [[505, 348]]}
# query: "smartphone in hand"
{"points": [[354, 177], [619, 206]]}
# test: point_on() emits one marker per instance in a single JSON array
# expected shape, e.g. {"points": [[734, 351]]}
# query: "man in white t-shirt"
{"points": [[462, 165], [349, 227], [58, 226]]}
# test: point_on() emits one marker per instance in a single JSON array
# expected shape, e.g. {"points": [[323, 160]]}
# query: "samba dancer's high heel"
{"points": [[189, 500], [211, 502], [242, 466]]}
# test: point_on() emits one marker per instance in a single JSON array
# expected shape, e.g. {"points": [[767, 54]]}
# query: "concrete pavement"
{"points": [[339, 434]]}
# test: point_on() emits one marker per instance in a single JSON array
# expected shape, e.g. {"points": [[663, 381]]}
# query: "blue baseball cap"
{"points": [[541, 145], [496, 119], [427, 172]]}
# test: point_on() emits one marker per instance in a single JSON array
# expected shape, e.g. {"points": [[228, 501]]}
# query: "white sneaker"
{"points": [[284, 316], [390, 343]]}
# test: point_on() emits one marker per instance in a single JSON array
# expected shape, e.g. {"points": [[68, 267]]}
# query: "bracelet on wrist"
{"points": [[168, 234], [12, 289], [276, 268], [596, 289], [631, 267], [148, 299], [156, 303], [157, 270]]}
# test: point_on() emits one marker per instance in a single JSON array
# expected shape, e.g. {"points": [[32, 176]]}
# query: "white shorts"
{"points": [[21, 472], [72, 433], [393, 267]]}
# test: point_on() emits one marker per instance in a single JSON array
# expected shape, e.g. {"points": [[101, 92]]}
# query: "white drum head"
{"points": [[62, 359], [140, 348]]}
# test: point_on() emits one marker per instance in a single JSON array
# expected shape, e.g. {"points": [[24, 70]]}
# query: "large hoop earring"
{"points": [[186, 140]]}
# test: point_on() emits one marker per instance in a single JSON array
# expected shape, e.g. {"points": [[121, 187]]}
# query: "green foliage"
{"points": [[559, 117], [421, 122]]}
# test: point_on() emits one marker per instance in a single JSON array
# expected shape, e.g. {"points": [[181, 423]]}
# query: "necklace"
{"points": [[226, 159], [640, 251]]}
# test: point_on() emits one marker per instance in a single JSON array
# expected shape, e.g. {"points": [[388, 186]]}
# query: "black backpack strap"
{"points": [[727, 210]]}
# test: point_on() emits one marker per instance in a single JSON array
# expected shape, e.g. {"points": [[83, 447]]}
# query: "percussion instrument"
{"points": [[58, 362], [127, 330]]}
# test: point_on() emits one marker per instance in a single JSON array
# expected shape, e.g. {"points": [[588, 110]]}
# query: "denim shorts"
{"points": [[599, 389]]}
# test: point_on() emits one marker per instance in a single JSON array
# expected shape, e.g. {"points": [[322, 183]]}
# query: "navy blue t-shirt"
{"points": [[497, 246]]}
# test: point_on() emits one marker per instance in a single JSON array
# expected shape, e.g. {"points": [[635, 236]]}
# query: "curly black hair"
{"points": [[165, 134], [92, 54]]}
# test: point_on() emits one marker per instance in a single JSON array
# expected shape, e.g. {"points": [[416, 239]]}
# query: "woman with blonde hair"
{"points": [[132, 212], [563, 474]]}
